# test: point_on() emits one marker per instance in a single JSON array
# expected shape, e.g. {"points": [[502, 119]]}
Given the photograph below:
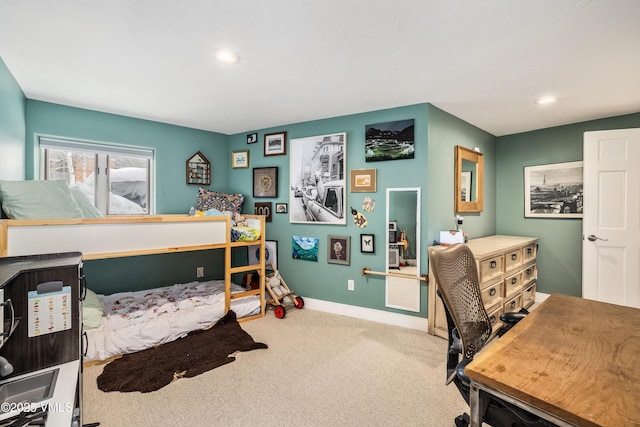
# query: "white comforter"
{"points": [[135, 321]]}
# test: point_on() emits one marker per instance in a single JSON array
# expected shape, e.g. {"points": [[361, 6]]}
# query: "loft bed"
{"points": [[114, 237], [134, 235]]}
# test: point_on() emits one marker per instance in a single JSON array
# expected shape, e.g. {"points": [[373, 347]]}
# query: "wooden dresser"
{"points": [[507, 271]]}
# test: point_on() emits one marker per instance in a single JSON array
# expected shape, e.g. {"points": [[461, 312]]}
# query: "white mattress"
{"points": [[161, 315]]}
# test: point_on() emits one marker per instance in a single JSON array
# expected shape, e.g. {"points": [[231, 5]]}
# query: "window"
{"points": [[117, 178]]}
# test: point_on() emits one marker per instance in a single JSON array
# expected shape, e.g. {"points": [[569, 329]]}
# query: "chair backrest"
{"points": [[455, 271]]}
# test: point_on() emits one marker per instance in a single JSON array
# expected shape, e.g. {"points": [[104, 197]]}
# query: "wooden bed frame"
{"points": [[132, 235]]}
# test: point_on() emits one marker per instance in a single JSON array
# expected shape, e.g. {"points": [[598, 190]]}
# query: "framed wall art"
{"points": [[389, 141], [338, 249], [252, 138], [367, 243], [553, 190], [263, 208], [363, 180], [305, 248], [270, 256], [240, 159], [281, 208], [317, 179], [275, 144], [265, 182]]}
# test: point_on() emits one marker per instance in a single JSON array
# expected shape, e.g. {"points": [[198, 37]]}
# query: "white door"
{"points": [[611, 224]]}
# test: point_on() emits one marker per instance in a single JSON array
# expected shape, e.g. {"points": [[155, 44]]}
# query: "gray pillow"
{"points": [[38, 200], [85, 203]]}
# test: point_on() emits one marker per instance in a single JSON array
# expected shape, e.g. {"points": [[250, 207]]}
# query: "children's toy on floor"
{"points": [[281, 295]]}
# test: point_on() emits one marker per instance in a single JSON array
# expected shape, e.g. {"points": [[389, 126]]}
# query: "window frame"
{"points": [[101, 151]]}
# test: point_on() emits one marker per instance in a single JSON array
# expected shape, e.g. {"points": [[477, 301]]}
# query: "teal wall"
{"points": [[12, 126], [173, 146], [445, 132], [560, 247], [320, 280]]}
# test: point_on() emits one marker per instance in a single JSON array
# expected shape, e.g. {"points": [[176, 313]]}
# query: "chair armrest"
{"points": [[512, 318], [460, 371]]}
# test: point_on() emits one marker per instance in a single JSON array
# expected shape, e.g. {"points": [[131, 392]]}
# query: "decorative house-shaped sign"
{"points": [[198, 170]]}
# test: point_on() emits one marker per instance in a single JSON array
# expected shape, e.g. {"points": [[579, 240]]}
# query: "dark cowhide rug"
{"points": [[198, 352]]}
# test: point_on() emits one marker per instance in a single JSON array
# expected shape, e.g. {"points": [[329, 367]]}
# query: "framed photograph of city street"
{"points": [[553, 190], [275, 144], [317, 179]]}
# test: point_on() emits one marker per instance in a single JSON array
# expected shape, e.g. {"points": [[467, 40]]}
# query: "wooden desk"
{"points": [[576, 360]]}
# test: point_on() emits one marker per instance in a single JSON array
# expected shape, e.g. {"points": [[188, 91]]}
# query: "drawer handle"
{"points": [[529, 271], [493, 264], [514, 257], [529, 251], [514, 280], [492, 292], [492, 319], [513, 304]]}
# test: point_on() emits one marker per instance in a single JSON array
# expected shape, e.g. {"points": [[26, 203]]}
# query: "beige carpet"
{"points": [[319, 370]]}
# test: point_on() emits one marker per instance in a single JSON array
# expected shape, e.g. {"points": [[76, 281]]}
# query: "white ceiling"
{"points": [[485, 61]]}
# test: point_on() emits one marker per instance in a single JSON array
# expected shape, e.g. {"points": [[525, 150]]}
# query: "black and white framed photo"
{"points": [[275, 144], [252, 138], [317, 179], [270, 255], [338, 249], [367, 244], [281, 208], [265, 182], [553, 190]]}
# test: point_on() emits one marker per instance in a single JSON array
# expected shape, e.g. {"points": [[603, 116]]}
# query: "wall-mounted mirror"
{"points": [[403, 248], [469, 180]]}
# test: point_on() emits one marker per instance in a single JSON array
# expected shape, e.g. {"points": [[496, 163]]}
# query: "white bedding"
{"points": [[135, 321]]}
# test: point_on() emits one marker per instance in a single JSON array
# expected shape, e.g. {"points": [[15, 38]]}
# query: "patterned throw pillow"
{"points": [[220, 201]]}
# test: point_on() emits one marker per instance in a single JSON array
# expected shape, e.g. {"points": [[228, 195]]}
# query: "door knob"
{"points": [[593, 238]]}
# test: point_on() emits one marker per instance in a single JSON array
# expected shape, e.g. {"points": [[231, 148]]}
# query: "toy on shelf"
{"points": [[281, 295]]}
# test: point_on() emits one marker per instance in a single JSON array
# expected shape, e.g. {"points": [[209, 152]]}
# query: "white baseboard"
{"points": [[410, 322]]}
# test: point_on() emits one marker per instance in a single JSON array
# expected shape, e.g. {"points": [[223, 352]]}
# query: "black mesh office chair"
{"points": [[469, 329]]}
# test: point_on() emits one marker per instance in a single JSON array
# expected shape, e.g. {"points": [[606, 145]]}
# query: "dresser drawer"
{"points": [[491, 268], [529, 296], [491, 294], [512, 260], [529, 274], [529, 253], [494, 317], [514, 304], [512, 284]]}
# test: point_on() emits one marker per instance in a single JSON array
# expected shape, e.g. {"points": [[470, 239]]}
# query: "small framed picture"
{"points": [[281, 208], [338, 249], [263, 208], [275, 144], [252, 138], [363, 180], [265, 182], [240, 159], [270, 252], [367, 244]]}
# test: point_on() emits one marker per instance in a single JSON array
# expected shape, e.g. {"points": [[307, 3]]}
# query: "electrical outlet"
{"points": [[350, 285], [200, 271]]}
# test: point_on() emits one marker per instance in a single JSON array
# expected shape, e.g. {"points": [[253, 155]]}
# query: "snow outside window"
{"points": [[116, 178]]}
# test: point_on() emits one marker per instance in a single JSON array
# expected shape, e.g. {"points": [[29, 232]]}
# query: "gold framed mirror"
{"points": [[469, 180]]}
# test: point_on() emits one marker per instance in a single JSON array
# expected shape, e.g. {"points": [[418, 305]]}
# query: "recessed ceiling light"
{"points": [[226, 56], [546, 100]]}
